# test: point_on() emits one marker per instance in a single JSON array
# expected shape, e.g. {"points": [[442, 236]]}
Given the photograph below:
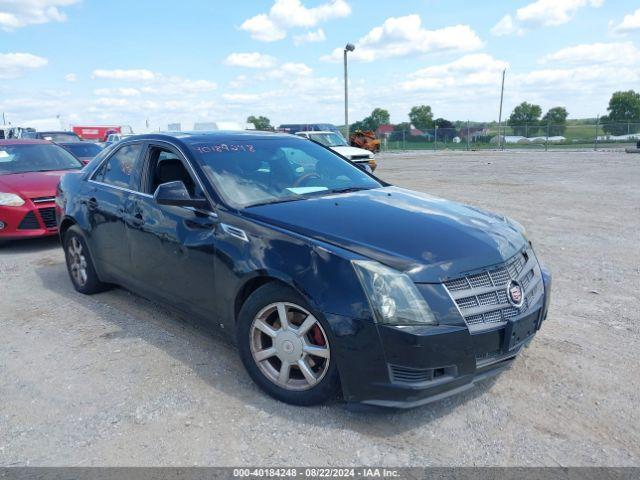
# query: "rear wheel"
{"points": [[286, 348], [80, 264]]}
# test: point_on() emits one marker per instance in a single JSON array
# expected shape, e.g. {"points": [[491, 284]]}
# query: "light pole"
{"points": [[500, 114], [349, 47]]}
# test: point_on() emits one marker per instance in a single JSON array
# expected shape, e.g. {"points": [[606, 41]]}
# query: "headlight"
{"points": [[393, 297], [10, 200]]}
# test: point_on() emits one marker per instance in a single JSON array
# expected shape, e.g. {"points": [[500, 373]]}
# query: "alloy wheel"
{"points": [[289, 346], [77, 261]]}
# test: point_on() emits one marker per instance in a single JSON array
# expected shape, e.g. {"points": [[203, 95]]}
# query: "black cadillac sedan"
{"points": [[328, 279]]}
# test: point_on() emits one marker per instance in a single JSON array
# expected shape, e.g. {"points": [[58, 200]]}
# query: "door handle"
{"points": [[92, 203]]}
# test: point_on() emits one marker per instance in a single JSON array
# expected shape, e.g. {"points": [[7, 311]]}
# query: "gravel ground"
{"points": [[116, 380]]}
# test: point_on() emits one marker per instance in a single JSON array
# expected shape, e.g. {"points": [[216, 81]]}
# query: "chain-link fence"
{"points": [[472, 136]]}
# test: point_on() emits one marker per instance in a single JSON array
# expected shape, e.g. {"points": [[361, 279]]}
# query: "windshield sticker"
{"points": [[305, 190], [225, 147]]}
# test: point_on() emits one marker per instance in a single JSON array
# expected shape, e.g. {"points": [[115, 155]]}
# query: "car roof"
{"points": [[318, 132], [24, 141], [210, 136]]}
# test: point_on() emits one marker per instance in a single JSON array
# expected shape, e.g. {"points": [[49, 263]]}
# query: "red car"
{"points": [[29, 174]]}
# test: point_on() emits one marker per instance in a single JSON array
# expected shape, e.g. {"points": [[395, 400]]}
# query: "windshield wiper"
{"points": [[275, 200], [348, 189]]}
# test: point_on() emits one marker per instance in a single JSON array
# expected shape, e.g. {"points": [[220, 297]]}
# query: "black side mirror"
{"points": [[177, 195]]}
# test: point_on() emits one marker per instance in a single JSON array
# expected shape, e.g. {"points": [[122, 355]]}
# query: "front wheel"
{"points": [[80, 264], [285, 348]]}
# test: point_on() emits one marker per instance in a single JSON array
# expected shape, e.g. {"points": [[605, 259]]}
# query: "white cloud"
{"points": [[470, 70], [250, 60], [630, 23], [14, 65], [506, 26], [621, 53], [20, 13], [290, 70], [402, 36], [112, 102], [153, 83], [120, 92], [286, 14], [310, 37], [135, 75], [541, 13], [172, 85], [71, 77]]}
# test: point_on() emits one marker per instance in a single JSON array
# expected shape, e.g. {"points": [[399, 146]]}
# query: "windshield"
{"points": [[328, 139], [58, 137], [271, 170], [35, 158], [83, 149]]}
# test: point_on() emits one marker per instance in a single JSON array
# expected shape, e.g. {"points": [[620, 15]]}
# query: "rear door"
{"points": [[107, 200], [172, 248]]}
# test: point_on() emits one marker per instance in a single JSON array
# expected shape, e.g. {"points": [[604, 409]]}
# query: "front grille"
{"points": [[482, 297], [48, 216], [29, 222]]}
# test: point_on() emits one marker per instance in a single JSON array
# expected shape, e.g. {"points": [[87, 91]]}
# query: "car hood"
{"points": [[429, 238], [32, 184], [351, 151]]}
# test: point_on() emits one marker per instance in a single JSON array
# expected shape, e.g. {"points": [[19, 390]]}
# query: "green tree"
{"points": [[556, 118], [624, 109], [525, 118], [398, 130], [446, 129], [261, 123], [378, 117], [421, 117]]}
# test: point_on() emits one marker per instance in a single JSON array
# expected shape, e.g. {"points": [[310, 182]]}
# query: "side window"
{"points": [[166, 166], [119, 168]]}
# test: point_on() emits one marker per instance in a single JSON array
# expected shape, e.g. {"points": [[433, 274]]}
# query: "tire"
{"points": [[266, 347], [80, 264]]}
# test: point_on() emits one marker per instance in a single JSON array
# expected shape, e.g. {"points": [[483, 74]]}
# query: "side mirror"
{"points": [[177, 195]]}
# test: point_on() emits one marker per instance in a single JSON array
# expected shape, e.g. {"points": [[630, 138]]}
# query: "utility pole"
{"points": [[500, 114], [348, 48], [4, 121], [595, 144]]}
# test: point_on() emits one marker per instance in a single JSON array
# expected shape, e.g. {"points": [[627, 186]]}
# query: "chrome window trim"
{"points": [[147, 143], [123, 189]]}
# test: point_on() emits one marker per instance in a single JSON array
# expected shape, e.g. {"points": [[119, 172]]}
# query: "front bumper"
{"points": [[419, 365], [28, 221]]}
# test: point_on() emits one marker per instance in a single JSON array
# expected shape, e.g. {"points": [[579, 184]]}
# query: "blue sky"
{"points": [[162, 62]]}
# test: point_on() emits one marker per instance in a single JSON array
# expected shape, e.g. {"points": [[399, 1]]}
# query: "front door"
{"points": [[108, 197], [172, 248]]}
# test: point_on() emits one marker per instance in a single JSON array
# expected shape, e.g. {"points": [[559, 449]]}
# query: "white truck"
{"points": [[339, 145]]}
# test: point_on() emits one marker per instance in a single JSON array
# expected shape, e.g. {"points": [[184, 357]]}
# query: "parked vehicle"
{"points": [[115, 138], [339, 145], [308, 127], [366, 140], [29, 173], [326, 277], [99, 133], [56, 137], [83, 151]]}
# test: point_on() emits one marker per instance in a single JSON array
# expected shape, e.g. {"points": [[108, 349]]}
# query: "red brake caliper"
{"points": [[316, 336]]}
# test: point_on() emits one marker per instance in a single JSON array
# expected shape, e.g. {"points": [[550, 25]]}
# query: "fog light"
{"points": [[2, 225]]}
